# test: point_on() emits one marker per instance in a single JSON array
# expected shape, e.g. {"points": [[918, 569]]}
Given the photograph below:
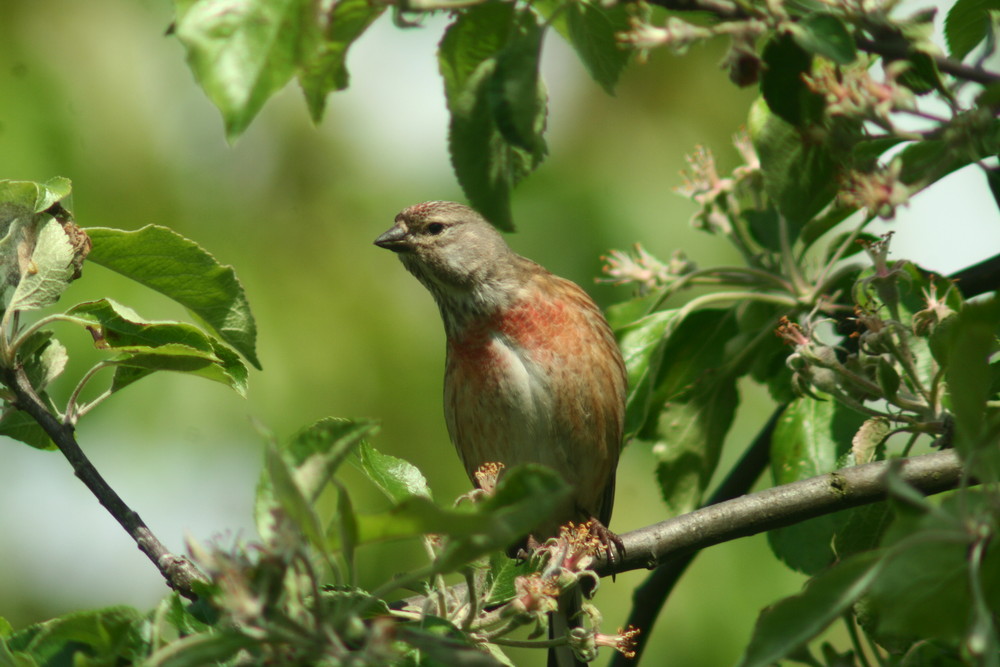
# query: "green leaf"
{"points": [[175, 613], [691, 433], [503, 571], [966, 25], [145, 346], [681, 395], [782, 85], [642, 345], [439, 642], [398, 479], [862, 529], [18, 198], [592, 30], [791, 623], [516, 94], [799, 169], [243, 51], [312, 457], [931, 159], [346, 526], [287, 494], [923, 75], [526, 497], [40, 248], [812, 438], [888, 378], [49, 270], [107, 636], [869, 438], [972, 339], [668, 355], [115, 326], [20, 426], [43, 357], [181, 270], [825, 35], [415, 516], [486, 164], [924, 590], [197, 650], [326, 70]]}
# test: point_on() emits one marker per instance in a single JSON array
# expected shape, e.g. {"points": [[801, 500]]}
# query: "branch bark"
{"points": [[781, 506], [178, 571]]}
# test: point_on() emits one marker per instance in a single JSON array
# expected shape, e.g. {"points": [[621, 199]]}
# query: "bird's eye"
{"points": [[435, 228]]}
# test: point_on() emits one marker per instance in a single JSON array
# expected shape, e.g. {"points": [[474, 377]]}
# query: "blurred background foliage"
{"points": [[97, 92]]}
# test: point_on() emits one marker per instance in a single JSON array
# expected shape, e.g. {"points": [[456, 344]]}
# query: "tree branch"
{"points": [[781, 506], [890, 47], [177, 570]]}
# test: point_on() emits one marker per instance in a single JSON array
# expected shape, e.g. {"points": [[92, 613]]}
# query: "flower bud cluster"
{"points": [[564, 563], [642, 269], [720, 199], [852, 92], [879, 191]]}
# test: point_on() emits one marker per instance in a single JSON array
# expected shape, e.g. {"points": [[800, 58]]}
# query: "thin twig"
{"points": [[178, 571]]}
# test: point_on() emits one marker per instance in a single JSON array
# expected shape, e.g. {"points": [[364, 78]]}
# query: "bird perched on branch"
{"points": [[533, 372]]}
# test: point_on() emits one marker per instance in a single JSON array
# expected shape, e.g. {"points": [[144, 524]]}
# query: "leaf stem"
{"points": [[753, 274], [852, 632], [72, 413]]}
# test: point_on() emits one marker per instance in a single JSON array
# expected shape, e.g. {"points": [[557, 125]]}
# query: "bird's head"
{"points": [[447, 246]]}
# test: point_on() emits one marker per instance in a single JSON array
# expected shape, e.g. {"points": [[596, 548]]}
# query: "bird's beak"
{"points": [[393, 239]]}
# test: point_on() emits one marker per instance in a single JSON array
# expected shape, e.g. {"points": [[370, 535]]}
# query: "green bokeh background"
{"points": [[98, 93]]}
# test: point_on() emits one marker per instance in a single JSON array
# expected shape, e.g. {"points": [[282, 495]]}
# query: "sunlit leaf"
{"points": [[144, 346], [49, 270], [526, 497], [326, 70], [642, 345], [243, 51], [398, 479], [178, 268]]}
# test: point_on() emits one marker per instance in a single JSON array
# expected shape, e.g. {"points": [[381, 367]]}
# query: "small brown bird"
{"points": [[533, 372]]}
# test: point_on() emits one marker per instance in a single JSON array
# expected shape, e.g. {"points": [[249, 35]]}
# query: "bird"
{"points": [[533, 373]]}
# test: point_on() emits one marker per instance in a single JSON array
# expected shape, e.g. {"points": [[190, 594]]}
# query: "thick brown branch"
{"points": [[177, 570], [781, 506]]}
